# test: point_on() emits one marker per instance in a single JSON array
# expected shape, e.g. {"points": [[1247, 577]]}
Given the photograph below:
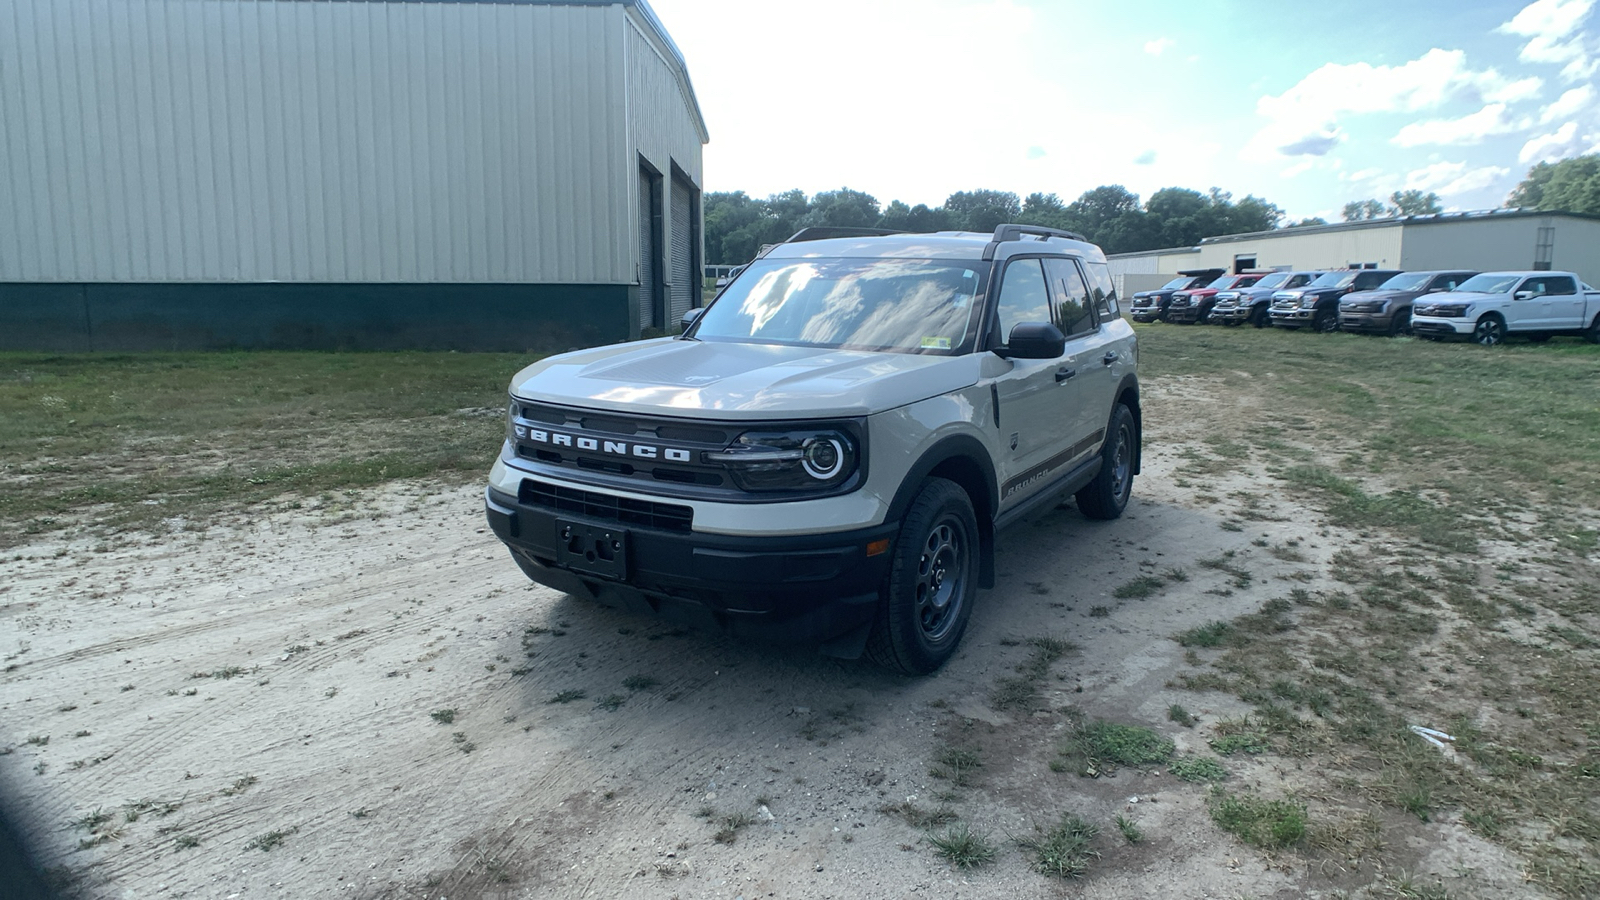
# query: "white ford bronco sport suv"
{"points": [[826, 453]]}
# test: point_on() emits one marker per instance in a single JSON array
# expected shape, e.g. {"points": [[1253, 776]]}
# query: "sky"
{"points": [[1308, 105]]}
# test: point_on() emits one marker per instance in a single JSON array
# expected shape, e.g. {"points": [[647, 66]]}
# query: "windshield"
{"points": [[1275, 280], [1175, 284], [1489, 283], [1334, 280], [1225, 281], [1406, 281], [906, 305]]}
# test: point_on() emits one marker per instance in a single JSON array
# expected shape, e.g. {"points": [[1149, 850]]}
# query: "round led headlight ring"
{"points": [[823, 459]]}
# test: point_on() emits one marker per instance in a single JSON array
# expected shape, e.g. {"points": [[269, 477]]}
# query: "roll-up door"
{"points": [[649, 267], [683, 273]]}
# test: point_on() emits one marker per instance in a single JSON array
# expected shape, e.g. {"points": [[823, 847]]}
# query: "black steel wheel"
{"points": [[1107, 495], [1490, 331], [932, 584]]}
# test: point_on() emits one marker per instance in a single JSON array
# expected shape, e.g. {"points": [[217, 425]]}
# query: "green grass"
{"points": [[1065, 850], [142, 439], [1102, 747], [1269, 824], [1139, 588], [963, 847], [1197, 769]]}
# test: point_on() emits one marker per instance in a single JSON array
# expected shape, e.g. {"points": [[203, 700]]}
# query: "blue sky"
{"points": [[1308, 105]]}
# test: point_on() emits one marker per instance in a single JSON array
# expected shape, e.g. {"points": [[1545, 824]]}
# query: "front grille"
{"points": [[594, 505], [612, 442]]}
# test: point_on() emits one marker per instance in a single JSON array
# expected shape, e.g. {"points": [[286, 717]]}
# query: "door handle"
{"points": [[1063, 373], [1109, 358]]}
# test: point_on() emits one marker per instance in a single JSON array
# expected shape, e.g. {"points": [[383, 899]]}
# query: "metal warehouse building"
{"points": [[1486, 241], [466, 174]]}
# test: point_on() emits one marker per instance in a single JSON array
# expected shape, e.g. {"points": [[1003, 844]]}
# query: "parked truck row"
{"points": [[1485, 308]]}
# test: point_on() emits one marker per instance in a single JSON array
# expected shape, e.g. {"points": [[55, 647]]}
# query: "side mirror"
{"points": [[1034, 340], [1522, 295], [689, 317]]}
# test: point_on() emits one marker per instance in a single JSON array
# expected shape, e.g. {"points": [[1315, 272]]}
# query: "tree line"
{"points": [[737, 225]]}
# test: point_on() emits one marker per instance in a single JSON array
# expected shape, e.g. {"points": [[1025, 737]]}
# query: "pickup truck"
{"points": [[1196, 304], [1488, 308], [828, 452], [1317, 304], [1151, 306]]}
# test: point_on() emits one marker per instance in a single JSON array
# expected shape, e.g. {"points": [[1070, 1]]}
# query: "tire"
{"points": [[1259, 317], [1490, 331], [1325, 322], [1107, 495], [1400, 323], [1593, 334], [933, 582]]}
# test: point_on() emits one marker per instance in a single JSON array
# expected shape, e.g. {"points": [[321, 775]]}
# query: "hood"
{"points": [[725, 380], [1381, 296]]}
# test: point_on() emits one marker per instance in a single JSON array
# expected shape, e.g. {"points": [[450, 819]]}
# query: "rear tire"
{"points": [[1107, 495], [1593, 334], [933, 582]]}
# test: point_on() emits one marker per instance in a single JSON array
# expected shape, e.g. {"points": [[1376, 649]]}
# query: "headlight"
{"points": [[1308, 301], [789, 460]]}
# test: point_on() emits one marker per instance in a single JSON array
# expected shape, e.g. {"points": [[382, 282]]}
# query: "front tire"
{"points": [[1107, 495], [932, 584], [1259, 317], [1400, 323], [1325, 322], [1490, 331]]}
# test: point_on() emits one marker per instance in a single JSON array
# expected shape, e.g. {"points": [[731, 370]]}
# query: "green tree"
{"points": [[842, 207], [1314, 220], [981, 211], [1571, 185], [1415, 203], [1043, 209], [1363, 210], [918, 219]]}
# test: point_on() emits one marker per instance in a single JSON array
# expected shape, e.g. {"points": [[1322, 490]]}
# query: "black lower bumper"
{"points": [[791, 588], [1438, 330]]}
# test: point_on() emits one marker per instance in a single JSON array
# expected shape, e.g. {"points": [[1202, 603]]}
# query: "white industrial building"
{"points": [[473, 174], [1485, 241]]}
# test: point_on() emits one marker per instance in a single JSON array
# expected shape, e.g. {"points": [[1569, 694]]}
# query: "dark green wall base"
{"points": [[510, 317]]}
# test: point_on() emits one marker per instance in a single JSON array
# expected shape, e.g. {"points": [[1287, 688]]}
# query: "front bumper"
{"points": [[1183, 314], [791, 588], [1230, 314], [1442, 328], [1369, 323], [1298, 317], [1145, 313]]}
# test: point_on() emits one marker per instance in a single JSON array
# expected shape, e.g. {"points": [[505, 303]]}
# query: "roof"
{"points": [[1450, 218], [641, 7], [962, 245]]}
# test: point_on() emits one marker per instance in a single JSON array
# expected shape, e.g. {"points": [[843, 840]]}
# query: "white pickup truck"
{"points": [[1487, 308]]}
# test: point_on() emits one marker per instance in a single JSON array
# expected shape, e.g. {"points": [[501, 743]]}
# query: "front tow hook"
{"points": [[1063, 373], [1109, 358]]}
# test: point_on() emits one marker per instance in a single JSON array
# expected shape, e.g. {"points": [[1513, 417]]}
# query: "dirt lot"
{"points": [[304, 704]]}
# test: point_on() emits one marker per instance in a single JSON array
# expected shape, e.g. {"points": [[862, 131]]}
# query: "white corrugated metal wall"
{"points": [[264, 140], [663, 125]]}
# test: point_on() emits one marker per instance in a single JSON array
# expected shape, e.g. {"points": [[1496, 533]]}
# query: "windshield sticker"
{"points": [[936, 343]]}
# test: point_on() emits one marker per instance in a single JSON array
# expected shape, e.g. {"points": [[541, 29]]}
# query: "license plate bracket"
{"points": [[592, 549]]}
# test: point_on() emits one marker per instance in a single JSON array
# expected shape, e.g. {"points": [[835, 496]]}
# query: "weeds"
{"points": [[443, 716], [568, 696], [955, 765], [1140, 588], [963, 847], [1197, 769], [271, 839], [1129, 830], [919, 816], [1176, 713], [1101, 747], [1269, 824], [1065, 850]]}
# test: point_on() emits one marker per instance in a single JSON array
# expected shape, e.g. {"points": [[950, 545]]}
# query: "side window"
{"points": [[1298, 281], [1539, 286], [1023, 297], [1367, 281], [1445, 282], [1074, 312], [1104, 290], [1560, 284]]}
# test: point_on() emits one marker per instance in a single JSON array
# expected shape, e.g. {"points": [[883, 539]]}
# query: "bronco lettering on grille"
{"points": [[613, 448]]}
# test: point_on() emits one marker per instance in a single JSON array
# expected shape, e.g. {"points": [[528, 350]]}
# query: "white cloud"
{"points": [[1555, 33], [1568, 105], [1304, 119], [1559, 144], [1447, 178], [1469, 129], [1159, 46]]}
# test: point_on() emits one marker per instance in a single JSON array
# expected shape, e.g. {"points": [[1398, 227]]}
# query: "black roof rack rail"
{"points": [[1014, 232], [825, 232]]}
